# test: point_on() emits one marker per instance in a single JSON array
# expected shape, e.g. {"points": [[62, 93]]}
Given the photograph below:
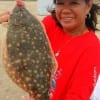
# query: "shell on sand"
{"points": [[28, 57]]}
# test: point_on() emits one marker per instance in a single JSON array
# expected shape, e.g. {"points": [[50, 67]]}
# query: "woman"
{"points": [[76, 48], [71, 30]]}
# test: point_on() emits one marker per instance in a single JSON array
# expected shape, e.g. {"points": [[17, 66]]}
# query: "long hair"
{"points": [[90, 21]]}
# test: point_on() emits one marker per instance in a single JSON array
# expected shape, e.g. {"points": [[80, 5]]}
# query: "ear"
{"points": [[89, 5]]}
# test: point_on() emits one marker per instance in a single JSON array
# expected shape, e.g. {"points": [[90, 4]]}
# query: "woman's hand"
{"points": [[4, 17]]}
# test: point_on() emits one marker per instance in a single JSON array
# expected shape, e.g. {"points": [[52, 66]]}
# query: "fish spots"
{"points": [[29, 60]]}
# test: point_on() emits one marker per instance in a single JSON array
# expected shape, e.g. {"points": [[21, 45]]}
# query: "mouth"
{"points": [[66, 19]]}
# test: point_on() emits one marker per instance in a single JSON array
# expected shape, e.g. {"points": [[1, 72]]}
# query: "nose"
{"points": [[66, 9]]}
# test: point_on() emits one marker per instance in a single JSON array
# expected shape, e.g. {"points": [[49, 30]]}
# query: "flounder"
{"points": [[28, 57]]}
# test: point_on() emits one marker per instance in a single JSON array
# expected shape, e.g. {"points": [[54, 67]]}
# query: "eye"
{"points": [[59, 2], [74, 2]]}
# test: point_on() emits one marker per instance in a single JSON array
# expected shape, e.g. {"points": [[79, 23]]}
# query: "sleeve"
{"points": [[49, 24], [85, 75]]}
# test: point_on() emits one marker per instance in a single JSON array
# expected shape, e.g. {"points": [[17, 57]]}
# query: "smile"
{"points": [[67, 19]]}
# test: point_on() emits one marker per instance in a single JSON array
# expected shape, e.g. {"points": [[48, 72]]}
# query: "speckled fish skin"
{"points": [[29, 60]]}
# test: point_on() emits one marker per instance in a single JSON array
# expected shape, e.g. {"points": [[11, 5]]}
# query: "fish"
{"points": [[28, 56]]}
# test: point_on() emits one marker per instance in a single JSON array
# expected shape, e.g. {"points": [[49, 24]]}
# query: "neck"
{"points": [[77, 31]]}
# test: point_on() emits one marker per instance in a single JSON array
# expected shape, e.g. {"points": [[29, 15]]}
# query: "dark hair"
{"points": [[91, 20]]}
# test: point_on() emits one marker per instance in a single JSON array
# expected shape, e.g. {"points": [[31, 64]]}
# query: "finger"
{"points": [[4, 18], [19, 3], [5, 13], [24, 98]]}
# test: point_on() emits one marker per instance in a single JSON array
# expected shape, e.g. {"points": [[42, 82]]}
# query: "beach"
{"points": [[8, 89]]}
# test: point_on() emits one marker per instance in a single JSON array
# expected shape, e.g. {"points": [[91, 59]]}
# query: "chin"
{"points": [[68, 25], [68, 28]]}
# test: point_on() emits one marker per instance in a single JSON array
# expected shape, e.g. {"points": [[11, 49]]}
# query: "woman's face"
{"points": [[71, 14]]}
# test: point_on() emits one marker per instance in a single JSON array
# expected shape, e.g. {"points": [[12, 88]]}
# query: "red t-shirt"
{"points": [[78, 62]]}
